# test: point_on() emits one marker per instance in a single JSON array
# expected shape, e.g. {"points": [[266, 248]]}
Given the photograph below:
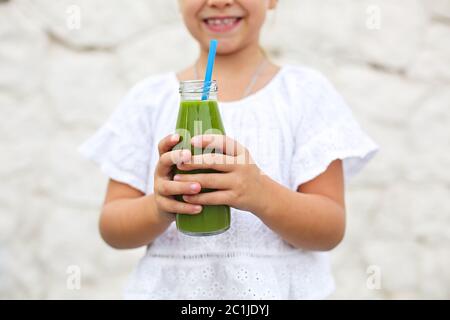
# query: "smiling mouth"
{"points": [[222, 24]]}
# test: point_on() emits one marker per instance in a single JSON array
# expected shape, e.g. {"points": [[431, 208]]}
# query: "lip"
{"points": [[221, 24]]}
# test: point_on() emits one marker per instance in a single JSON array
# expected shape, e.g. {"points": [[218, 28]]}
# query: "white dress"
{"points": [[294, 128]]}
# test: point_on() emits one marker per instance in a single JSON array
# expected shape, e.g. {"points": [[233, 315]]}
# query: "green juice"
{"points": [[200, 117]]}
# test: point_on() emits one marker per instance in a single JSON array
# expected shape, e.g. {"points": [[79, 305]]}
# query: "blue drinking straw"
{"points": [[209, 69]]}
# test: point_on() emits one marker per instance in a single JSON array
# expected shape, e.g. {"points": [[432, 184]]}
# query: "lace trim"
{"points": [[235, 254]]}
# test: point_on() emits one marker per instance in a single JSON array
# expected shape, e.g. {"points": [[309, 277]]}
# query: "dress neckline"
{"points": [[266, 88]]}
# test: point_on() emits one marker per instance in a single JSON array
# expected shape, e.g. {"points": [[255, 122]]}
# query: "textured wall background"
{"points": [[58, 84]]}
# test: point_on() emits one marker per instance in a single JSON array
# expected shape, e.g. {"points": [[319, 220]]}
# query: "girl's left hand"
{"points": [[238, 183]]}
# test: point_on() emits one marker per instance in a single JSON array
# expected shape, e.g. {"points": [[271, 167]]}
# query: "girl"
{"points": [[288, 121]]}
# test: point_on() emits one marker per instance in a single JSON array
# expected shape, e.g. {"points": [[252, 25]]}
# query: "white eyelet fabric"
{"points": [[294, 128]]}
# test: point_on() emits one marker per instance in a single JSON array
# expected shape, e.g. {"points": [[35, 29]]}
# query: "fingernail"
{"points": [[194, 186], [177, 177], [198, 208], [195, 140], [175, 137]]}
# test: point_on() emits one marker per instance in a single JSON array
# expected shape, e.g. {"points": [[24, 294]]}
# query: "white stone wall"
{"points": [[58, 84]]}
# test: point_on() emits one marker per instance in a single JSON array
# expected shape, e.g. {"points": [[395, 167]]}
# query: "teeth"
{"points": [[220, 21]]}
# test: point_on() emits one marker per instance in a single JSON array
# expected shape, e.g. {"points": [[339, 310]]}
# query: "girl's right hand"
{"points": [[164, 187]]}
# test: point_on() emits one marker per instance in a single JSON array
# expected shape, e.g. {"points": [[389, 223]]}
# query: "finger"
{"points": [[171, 188], [216, 161], [174, 206], [168, 159], [207, 180], [167, 143], [209, 198], [218, 142]]}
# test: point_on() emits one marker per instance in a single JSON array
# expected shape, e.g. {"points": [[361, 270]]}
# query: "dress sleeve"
{"points": [[326, 131], [122, 146]]}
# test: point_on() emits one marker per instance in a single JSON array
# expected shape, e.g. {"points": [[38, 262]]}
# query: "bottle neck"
{"points": [[193, 90]]}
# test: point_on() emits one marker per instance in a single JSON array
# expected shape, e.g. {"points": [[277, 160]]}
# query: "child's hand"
{"points": [[164, 187], [238, 183]]}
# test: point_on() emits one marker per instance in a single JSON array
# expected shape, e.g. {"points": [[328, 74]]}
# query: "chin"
{"points": [[227, 46]]}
